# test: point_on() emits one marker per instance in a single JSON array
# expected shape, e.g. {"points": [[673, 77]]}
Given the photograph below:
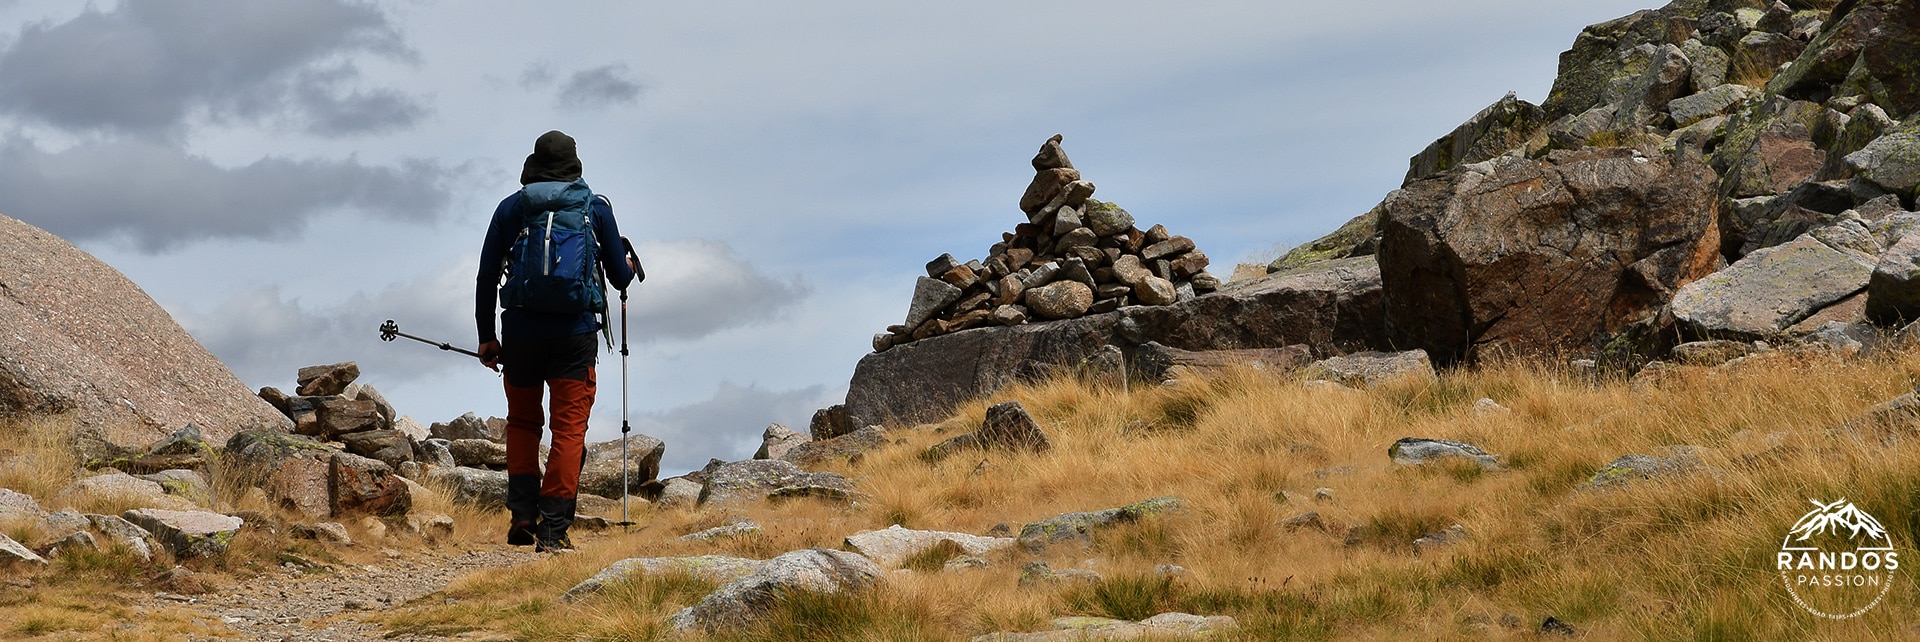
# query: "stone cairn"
{"points": [[1073, 257]]}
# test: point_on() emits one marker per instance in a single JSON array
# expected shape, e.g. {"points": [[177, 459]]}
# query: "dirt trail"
{"points": [[295, 604]]}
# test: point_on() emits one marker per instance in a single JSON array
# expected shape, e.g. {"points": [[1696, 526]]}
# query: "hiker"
{"points": [[548, 330]]}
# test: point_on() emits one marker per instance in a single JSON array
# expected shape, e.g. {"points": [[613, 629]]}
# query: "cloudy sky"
{"points": [[283, 176]]}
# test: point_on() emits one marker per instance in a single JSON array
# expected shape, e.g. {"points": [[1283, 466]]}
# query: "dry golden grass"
{"points": [[1686, 557]]}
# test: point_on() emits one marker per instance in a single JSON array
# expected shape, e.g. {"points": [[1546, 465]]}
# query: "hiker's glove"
{"points": [[490, 354]]}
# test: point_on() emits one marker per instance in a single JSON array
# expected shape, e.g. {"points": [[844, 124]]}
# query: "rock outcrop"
{"points": [[1333, 307], [83, 339], [1519, 255]]}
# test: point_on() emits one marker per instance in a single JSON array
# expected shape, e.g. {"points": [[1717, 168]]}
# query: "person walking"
{"points": [[557, 245]]}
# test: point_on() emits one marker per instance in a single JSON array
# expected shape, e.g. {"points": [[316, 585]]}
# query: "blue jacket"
{"points": [[526, 324]]}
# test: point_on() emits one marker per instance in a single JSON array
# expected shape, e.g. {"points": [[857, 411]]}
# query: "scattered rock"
{"points": [[467, 426], [16, 506], [120, 487], [838, 449], [485, 488], [390, 446], [1633, 467], [736, 529], [1309, 519], [755, 479], [777, 441], [478, 453], [187, 534], [366, 485], [1451, 535], [326, 380], [718, 569], [1080, 526], [12, 552], [891, 547], [1769, 290], [1415, 451], [185, 484], [1007, 427], [1712, 352], [1041, 573], [740, 602], [1368, 369], [1553, 626], [329, 532], [680, 491]]}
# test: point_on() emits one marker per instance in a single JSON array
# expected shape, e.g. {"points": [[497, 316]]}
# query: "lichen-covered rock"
{"points": [[1629, 468], [1537, 255], [1769, 290], [736, 529], [1893, 291], [258, 453], [187, 534], [1080, 526], [1357, 237], [1891, 162], [717, 569], [1369, 369], [390, 446], [1501, 127], [679, 491], [1416, 451], [185, 484], [893, 546], [1688, 110], [742, 601]]}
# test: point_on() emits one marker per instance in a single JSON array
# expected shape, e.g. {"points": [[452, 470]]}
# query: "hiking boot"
{"points": [[521, 533], [523, 495], [560, 545]]}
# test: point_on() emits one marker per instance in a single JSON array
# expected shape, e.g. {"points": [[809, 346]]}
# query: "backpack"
{"points": [[554, 265]]}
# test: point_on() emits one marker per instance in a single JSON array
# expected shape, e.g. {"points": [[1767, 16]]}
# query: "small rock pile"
{"points": [[1073, 257]]}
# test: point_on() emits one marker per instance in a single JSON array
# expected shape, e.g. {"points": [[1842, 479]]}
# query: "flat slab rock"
{"points": [[187, 533], [1768, 291], [1080, 526], [12, 552], [1416, 451], [719, 569], [742, 601], [1369, 369], [757, 479], [1098, 628], [893, 546], [1636, 467]]}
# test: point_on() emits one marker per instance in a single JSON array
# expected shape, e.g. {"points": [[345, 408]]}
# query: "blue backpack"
{"points": [[554, 266]]}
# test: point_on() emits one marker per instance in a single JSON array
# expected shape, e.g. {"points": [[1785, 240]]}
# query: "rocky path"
{"points": [[301, 604]]}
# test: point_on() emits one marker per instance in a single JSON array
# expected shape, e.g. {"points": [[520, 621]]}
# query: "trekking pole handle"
{"points": [[639, 272]]}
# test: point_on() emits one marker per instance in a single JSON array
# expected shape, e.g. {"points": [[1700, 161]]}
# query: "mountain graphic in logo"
{"points": [[1834, 519]]}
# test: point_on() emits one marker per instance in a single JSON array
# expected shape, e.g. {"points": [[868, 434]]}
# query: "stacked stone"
{"points": [[1073, 257]]}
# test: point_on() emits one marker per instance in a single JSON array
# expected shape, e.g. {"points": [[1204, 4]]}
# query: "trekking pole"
{"points": [[389, 330], [626, 522]]}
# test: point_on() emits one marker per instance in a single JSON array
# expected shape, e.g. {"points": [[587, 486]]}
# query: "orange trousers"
{"points": [[572, 403]]}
